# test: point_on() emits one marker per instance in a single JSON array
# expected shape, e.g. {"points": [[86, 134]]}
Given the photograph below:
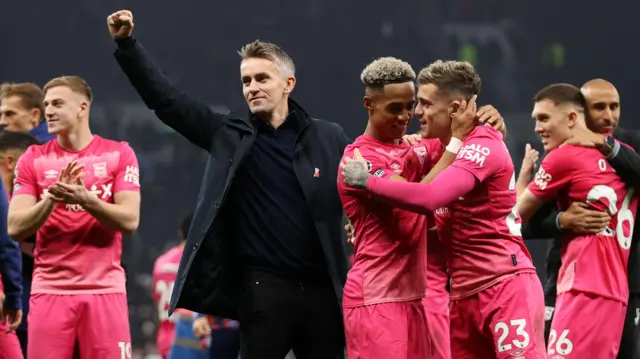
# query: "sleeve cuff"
{"points": [[126, 43], [614, 152], [558, 221], [13, 301]]}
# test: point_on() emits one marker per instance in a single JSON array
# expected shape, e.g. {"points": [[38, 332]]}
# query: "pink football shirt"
{"points": [[597, 263], [481, 230], [165, 271], [437, 276], [74, 252], [390, 244]]}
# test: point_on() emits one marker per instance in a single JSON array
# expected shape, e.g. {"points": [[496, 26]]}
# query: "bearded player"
{"points": [[497, 307], [592, 283], [78, 194]]}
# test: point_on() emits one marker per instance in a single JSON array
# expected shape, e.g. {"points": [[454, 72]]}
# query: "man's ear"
{"points": [[368, 102], [454, 106]]}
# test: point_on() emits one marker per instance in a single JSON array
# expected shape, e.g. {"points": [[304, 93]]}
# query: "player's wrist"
{"points": [[454, 145]]}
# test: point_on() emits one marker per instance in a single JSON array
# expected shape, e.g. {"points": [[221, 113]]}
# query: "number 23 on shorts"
{"points": [[512, 336]]}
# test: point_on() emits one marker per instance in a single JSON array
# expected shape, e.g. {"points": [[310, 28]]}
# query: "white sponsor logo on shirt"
{"points": [[100, 169], [475, 153], [132, 175], [542, 179], [50, 174]]}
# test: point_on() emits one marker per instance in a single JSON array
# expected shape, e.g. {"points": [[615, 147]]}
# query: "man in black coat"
{"points": [[266, 245], [603, 106]]}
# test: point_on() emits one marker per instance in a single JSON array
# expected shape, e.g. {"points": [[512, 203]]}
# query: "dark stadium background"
{"points": [[518, 47]]}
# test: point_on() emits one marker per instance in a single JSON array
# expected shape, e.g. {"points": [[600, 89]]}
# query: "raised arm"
{"points": [[194, 120]]}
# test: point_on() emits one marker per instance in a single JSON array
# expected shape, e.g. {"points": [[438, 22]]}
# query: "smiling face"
{"points": [[433, 111], [64, 109], [554, 122], [390, 110], [264, 85]]}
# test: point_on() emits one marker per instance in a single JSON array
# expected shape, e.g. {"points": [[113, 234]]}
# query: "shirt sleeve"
{"points": [[10, 259], [481, 156], [553, 175], [128, 173], [452, 183], [25, 180]]}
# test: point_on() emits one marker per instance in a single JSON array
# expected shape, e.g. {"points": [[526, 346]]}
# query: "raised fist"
{"points": [[120, 24]]}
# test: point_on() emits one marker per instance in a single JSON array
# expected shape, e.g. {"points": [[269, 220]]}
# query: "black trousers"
{"points": [[630, 343], [278, 314]]}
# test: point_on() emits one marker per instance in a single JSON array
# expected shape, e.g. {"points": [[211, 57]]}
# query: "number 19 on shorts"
{"points": [[125, 350]]}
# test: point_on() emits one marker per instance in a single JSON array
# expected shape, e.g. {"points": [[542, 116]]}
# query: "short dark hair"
{"points": [[186, 224], [10, 140], [452, 77], [561, 94]]}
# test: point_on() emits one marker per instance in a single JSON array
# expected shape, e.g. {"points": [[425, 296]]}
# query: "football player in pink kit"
{"points": [[383, 314], [592, 282], [78, 193], [165, 270], [497, 308]]}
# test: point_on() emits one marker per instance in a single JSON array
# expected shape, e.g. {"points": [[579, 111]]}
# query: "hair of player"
{"points": [[269, 51], [452, 77], [76, 83], [10, 140], [561, 94], [186, 224], [30, 94], [387, 70]]}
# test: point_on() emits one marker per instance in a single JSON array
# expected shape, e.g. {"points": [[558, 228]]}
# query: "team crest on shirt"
{"points": [[100, 169]]}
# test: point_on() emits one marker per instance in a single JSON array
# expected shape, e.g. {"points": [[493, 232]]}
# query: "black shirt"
{"points": [[272, 216]]}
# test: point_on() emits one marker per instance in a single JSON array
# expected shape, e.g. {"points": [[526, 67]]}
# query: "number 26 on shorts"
{"points": [[559, 344], [521, 340]]}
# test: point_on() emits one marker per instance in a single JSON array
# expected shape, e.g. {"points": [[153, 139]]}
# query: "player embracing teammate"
{"points": [[592, 290], [497, 307]]}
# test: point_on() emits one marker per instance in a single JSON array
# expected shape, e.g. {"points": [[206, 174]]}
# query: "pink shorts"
{"points": [[98, 323], [502, 321], [437, 310], [9, 344], [387, 331], [586, 326]]}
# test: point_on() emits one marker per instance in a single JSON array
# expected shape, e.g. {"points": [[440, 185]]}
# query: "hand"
{"points": [[586, 138], [582, 219], [120, 24], [11, 318], [489, 114], [463, 120], [355, 170], [75, 193], [529, 161], [349, 231], [70, 173], [411, 140], [201, 327]]}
